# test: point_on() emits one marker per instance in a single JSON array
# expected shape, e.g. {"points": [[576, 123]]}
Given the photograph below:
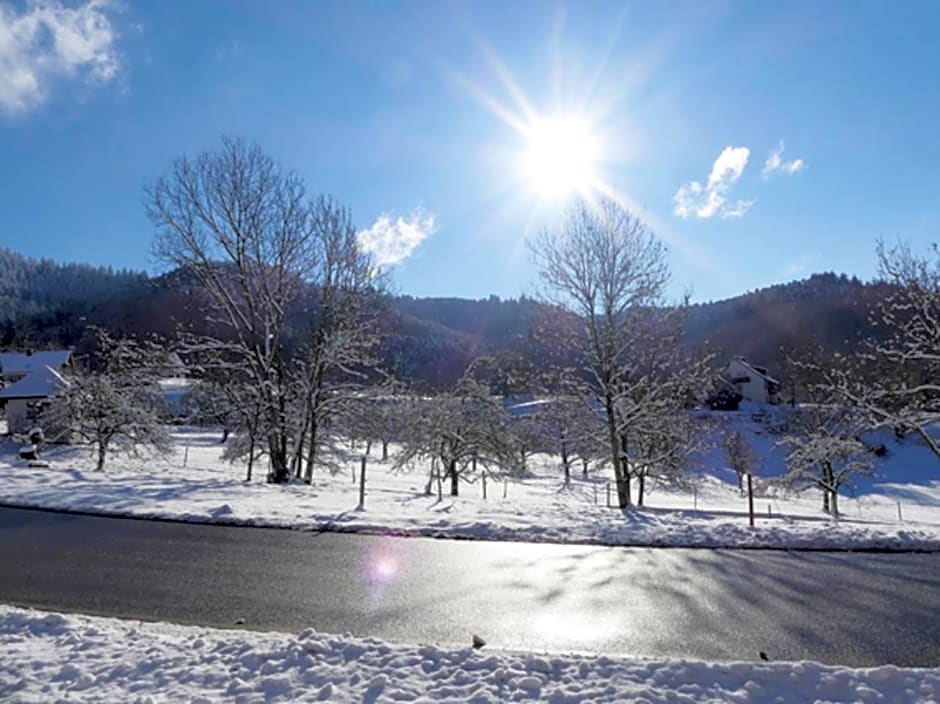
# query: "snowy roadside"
{"points": [[540, 508], [50, 656]]}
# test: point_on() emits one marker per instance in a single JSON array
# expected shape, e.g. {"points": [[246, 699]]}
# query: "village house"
{"points": [[30, 379], [751, 381]]}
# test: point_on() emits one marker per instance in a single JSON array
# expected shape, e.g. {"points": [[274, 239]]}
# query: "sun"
{"points": [[561, 156]]}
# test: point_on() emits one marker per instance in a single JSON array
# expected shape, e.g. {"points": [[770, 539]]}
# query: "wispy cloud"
{"points": [[801, 265], [393, 241], [775, 162], [709, 200], [47, 41]]}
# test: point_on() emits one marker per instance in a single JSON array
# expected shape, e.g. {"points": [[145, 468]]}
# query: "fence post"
{"points": [[595, 494], [608, 494], [695, 498], [505, 487], [768, 510], [362, 484], [900, 518], [186, 455], [484, 486], [750, 500]]}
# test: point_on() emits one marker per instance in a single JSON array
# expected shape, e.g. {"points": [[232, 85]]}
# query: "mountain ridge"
{"points": [[429, 340]]}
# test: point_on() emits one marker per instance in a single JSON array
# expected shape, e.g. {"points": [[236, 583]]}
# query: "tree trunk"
{"points": [[102, 453], [740, 481], [827, 482], [623, 481], [427, 489], [454, 479], [308, 475], [298, 459], [584, 467], [566, 465], [280, 471], [385, 450], [642, 490], [251, 456], [369, 447], [225, 433], [622, 491]]}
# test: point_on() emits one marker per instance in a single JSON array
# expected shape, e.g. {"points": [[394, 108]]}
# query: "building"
{"points": [[751, 381], [30, 379], [16, 365]]}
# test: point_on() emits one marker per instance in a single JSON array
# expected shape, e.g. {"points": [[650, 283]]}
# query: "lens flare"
{"points": [[381, 570]]}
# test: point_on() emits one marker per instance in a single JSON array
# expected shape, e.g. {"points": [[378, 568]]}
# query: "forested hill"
{"points": [[828, 310], [37, 296], [428, 340]]}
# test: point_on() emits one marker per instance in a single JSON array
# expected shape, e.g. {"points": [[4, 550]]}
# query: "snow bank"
{"points": [[48, 656], [196, 485]]}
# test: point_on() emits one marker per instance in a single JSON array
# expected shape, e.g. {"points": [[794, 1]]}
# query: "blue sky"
{"points": [[405, 112]]}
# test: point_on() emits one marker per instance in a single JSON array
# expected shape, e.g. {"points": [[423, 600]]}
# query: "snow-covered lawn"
{"points": [[49, 657], [538, 508]]}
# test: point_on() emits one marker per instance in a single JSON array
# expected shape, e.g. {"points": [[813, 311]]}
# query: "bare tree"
{"points": [[245, 231], [608, 270], [337, 360], [892, 381], [826, 452], [225, 394], [661, 448], [116, 400], [655, 391], [377, 415], [465, 430], [569, 427], [740, 455]]}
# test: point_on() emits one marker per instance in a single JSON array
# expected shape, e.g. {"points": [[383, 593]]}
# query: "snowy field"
{"points": [[56, 657], [194, 484]]}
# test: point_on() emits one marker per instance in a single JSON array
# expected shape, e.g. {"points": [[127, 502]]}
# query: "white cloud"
{"points": [[46, 41], [775, 162], [392, 241], [801, 265], [711, 199]]}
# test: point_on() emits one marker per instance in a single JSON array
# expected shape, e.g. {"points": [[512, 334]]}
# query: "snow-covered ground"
{"points": [[196, 485], [56, 657]]}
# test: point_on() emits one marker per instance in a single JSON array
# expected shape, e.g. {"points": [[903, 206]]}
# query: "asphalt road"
{"points": [[854, 609]]}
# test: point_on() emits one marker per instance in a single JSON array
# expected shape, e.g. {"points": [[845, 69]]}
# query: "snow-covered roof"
{"points": [[750, 367], [42, 383], [22, 363]]}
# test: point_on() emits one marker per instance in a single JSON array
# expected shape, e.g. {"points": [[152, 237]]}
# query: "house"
{"points": [[29, 380], [16, 365], [751, 381]]}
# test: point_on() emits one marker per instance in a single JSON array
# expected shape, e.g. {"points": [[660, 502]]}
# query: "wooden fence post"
{"points": [[750, 499], [484, 486], [362, 484]]}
